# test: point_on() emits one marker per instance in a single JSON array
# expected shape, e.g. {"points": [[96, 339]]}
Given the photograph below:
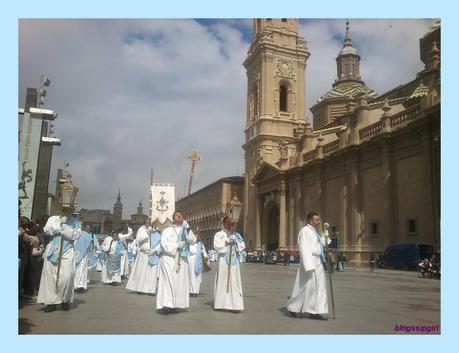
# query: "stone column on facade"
{"points": [[282, 215], [429, 187], [258, 209], [389, 224], [353, 206]]}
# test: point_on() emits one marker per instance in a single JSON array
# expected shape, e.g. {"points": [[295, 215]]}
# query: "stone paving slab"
{"points": [[366, 303]]}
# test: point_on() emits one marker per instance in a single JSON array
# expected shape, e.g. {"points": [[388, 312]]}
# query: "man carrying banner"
{"points": [[174, 277], [309, 295], [56, 284], [143, 276], [82, 246], [111, 271]]}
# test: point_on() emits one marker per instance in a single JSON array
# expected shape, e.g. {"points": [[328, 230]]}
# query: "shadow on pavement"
{"points": [[25, 326]]}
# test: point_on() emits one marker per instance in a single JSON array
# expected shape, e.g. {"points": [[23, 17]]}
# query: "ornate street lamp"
{"points": [[234, 208], [67, 193]]}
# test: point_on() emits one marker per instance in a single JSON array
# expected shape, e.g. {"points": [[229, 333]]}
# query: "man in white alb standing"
{"points": [[309, 295]]}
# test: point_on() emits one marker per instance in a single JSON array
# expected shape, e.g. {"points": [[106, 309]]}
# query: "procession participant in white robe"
{"points": [[124, 233], [174, 278], [111, 271], [143, 277], [130, 254], [228, 286], [81, 248], [100, 253], [56, 284], [92, 255], [309, 293], [196, 259]]}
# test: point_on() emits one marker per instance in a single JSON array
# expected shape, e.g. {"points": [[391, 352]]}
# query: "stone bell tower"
{"points": [[275, 64]]}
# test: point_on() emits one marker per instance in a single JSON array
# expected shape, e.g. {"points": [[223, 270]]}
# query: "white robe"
{"points": [[233, 298], [47, 293], [106, 276], [195, 278], [309, 293], [173, 286], [143, 277], [124, 262], [81, 273]]}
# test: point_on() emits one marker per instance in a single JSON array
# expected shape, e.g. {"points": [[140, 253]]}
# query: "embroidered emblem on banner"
{"points": [[162, 203]]}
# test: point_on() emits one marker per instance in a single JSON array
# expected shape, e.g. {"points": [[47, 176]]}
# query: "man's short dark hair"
{"points": [[177, 211], [311, 215]]}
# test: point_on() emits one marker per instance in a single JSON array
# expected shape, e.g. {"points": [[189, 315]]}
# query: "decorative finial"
{"points": [[347, 39]]}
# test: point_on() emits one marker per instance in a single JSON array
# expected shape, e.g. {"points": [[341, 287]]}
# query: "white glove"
{"points": [[185, 224], [180, 245], [230, 241], [63, 219]]}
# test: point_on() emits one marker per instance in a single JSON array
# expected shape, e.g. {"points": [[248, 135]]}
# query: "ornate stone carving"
{"points": [[266, 37], [259, 157], [285, 68], [301, 43], [283, 149]]}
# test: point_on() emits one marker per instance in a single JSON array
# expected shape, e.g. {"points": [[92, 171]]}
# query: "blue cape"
{"points": [[155, 238]]}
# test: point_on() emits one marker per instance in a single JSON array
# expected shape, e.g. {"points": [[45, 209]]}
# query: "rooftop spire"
{"points": [[347, 38]]}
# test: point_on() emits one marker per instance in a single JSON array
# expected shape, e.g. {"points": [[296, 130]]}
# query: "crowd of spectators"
{"points": [[32, 243]]}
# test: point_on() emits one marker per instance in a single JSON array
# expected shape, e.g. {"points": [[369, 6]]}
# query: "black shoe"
{"points": [[65, 306], [292, 313], [50, 308], [317, 317]]}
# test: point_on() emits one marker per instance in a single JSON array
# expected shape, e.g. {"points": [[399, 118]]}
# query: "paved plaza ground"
{"points": [[366, 303]]}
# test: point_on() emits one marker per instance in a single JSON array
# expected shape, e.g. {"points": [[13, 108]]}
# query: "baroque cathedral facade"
{"points": [[369, 164]]}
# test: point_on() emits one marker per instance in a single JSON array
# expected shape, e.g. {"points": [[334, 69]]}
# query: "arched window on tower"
{"points": [[283, 98]]}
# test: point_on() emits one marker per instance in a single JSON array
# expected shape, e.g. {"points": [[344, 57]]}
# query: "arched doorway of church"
{"points": [[271, 227]]}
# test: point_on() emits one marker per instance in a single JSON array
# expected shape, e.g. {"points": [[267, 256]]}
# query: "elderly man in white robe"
{"points": [[111, 269], [57, 277], [174, 278], [143, 277], [196, 259], [309, 295], [228, 286]]}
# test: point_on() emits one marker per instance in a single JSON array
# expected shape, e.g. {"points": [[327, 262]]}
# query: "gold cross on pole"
{"points": [[194, 157]]}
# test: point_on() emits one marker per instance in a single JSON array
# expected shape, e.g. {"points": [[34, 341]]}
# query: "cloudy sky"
{"points": [[136, 95]]}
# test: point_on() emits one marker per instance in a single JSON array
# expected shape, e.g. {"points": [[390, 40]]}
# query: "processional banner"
{"points": [[162, 202]]}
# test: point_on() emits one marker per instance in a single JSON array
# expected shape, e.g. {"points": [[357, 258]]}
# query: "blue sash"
{"points": [[235, 255], [114, 260], [92, 258], [130, 256], [322, 254], [198, 266], [102, 255], [182, 237], [54, 249], [81, 246], [155, 238]]}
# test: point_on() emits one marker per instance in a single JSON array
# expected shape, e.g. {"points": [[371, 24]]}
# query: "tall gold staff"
{"points": [[229, 268], [60, 260]]}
